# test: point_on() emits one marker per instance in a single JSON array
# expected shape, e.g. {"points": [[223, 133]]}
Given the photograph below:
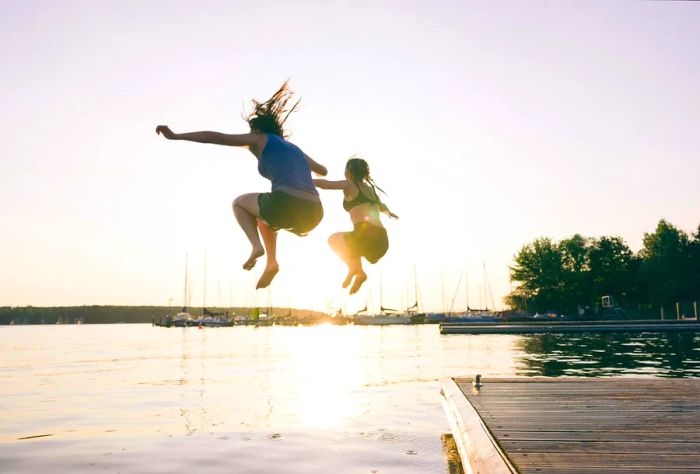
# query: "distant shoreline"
{"points": [[114, 314]]}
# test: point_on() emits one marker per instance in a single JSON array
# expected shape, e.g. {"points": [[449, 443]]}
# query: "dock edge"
{"points": [[479, 452]]}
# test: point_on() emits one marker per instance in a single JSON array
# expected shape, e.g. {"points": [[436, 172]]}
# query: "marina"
{"points": [[574, 425], [350, 237]]}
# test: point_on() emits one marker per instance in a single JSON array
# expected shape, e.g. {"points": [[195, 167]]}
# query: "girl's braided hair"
{"points": [[359, 171]]}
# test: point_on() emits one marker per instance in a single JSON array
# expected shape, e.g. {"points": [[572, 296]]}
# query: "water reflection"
{"points": [[183, 399], [328, 369], [594, 355]]}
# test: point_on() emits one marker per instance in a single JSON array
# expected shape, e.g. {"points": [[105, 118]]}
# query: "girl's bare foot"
{"points": [[360, 278], [255, 254], [267, 276], [348, 279]]}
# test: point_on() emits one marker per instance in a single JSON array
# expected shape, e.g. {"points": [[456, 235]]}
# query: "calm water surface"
{"points": [[141, 399]]}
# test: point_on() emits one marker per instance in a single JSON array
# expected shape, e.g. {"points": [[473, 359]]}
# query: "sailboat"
{"points": [[472, 315], [437, 318], [386, 316], [413, 312], [182, 318], [208, 318]]}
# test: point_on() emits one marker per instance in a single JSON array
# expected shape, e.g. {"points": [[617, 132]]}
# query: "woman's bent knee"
{"points": [[248, 203], [238, 202], [335, 240]]}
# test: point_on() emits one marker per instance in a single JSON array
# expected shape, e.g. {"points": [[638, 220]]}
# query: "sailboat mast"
{"points": [[485, 287], [442, 290], [204, 289], [269, 302], [381, 293], [466, 281], [415, 284], [184, 299], [488, 287]]}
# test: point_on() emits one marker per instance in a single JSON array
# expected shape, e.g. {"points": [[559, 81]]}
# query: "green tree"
{"points": [[579, 271], [666, 265], [694, 258], [611, 269], [575, 276], [538, 271]]}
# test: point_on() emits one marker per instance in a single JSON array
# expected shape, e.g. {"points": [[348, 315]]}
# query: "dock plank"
{"points": [[585, 425], [607, 461], [592, 435], [600, 447]]}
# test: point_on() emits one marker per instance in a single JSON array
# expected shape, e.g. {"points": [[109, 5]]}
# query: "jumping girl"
{"points": [[293, 204], [369, 238]]}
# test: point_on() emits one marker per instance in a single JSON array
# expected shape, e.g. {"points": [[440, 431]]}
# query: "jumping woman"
{"points": [[368, 238], [293, 204]]}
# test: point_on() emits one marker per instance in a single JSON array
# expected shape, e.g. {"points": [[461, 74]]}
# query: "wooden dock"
{"points": [[544, 327], [575, 425]]}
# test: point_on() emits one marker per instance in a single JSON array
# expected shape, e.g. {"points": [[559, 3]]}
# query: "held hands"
{"points": [[165, 131]]}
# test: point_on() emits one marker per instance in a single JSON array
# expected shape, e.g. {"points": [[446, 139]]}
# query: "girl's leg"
{"points": [[247, 212], [340, 247], [269, 237], [360, 278]]}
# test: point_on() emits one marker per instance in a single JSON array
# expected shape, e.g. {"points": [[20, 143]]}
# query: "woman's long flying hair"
{"points": [[269, 116]]}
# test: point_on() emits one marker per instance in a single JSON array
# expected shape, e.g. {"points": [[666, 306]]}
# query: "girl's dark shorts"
{"points": [[367, 240], [283, 211]]}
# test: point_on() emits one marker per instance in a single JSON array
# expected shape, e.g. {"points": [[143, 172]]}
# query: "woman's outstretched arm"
{"points": [[325, 184], [216, 138], [317, 168]]}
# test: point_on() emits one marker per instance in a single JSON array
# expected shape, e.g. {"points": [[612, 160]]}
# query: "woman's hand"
{"points": [[385, 210], [165, 131]]}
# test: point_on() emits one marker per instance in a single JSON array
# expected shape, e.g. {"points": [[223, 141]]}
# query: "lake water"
{"points": [[342, 399]]}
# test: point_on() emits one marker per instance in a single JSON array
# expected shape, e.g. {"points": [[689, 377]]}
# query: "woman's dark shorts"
{"points": [[367, 240], [283, 211]]}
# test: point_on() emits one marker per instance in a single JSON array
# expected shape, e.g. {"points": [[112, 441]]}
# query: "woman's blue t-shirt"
{"points": [[285, 165]]}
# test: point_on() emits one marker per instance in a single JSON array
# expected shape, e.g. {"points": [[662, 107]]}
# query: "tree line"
{"points": [[578, 272], [118, 314]]}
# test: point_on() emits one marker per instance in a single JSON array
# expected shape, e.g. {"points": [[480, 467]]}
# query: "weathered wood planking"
{"points": [[454, 463], [584, 425]]}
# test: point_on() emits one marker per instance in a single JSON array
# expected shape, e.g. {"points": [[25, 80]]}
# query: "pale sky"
{"points": [[489, 124]]}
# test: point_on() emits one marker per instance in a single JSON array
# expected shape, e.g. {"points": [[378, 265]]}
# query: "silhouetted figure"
{"points": [[293, 204], [368, 238]]}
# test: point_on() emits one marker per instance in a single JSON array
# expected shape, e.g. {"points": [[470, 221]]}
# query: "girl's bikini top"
{"points": [[359, 199]]}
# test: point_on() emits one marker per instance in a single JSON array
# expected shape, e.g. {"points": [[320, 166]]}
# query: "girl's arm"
{"points": [[325, 184], [244, 139], [317, 168], [385, 210]]}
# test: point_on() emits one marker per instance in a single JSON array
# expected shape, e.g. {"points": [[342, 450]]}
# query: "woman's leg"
{"points": [[339, 245], [269, 237], [247, 212]]}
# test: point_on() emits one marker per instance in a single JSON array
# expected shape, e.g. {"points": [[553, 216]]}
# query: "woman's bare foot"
{"points": [[267, 276], [360, 278], [255, 254], [348, 279]]}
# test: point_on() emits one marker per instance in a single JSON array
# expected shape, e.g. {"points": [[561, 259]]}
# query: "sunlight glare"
{"points": [[329, 369]]}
